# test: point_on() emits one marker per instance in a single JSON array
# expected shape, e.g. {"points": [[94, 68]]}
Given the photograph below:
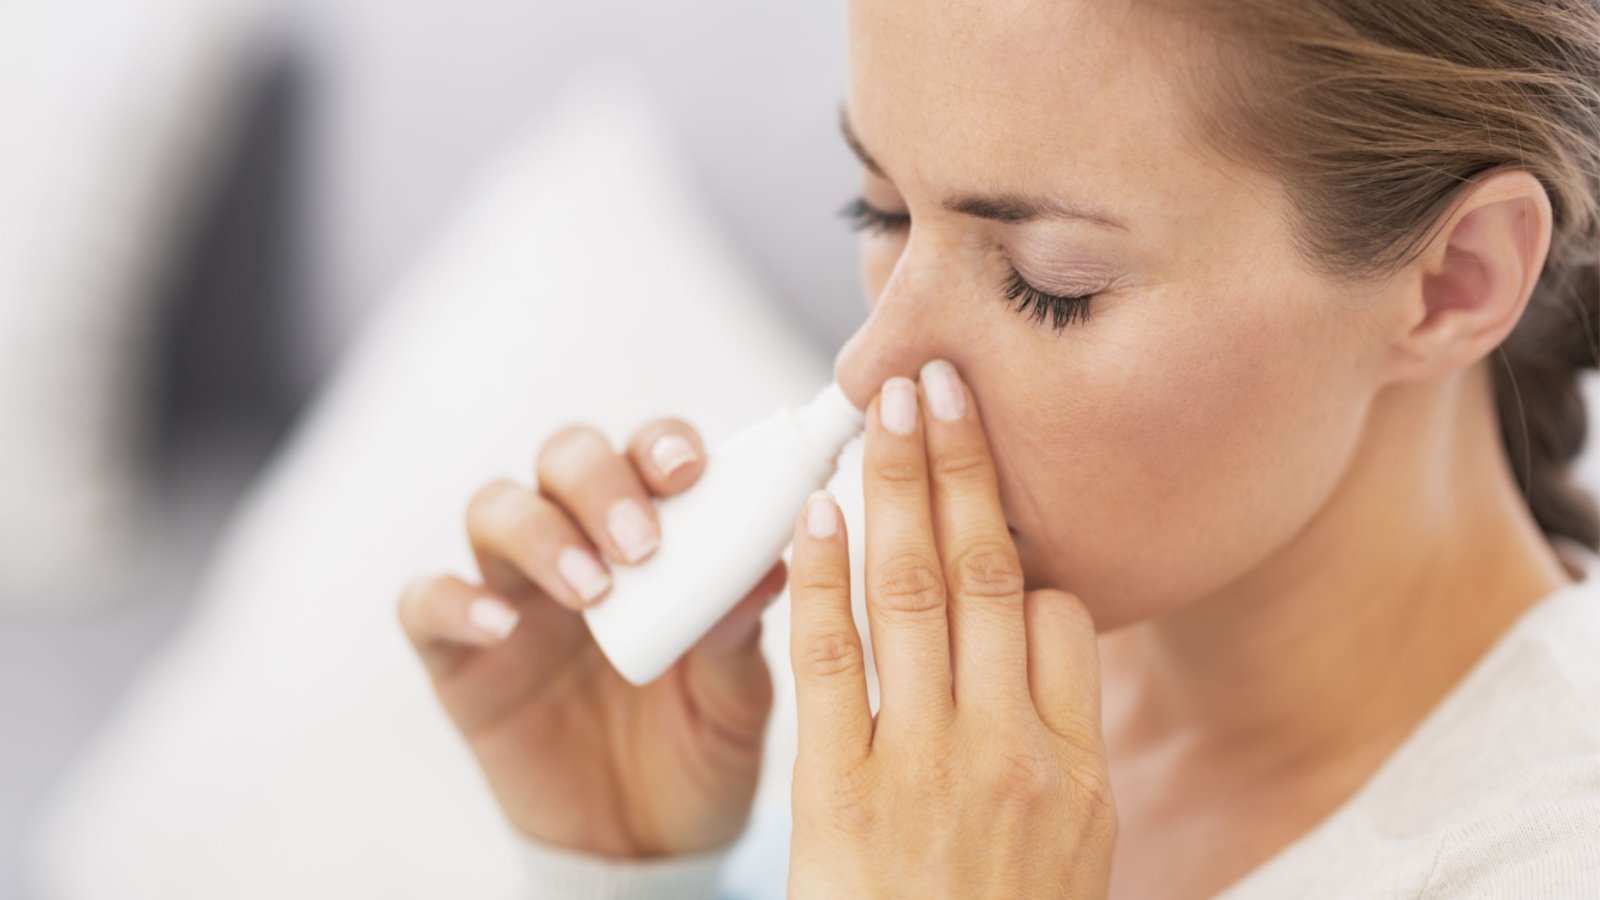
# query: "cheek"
{"points": [[1181, 454]]}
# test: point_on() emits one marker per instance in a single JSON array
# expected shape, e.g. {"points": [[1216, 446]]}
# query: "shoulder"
{"points": [[1546, 845], [1540, 685], [1564, 633], [1530, 823]]}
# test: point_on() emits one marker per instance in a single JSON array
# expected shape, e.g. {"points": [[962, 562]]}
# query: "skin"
{"points": [[983, 773], [663, 769], [1277, 499], [1282, 498]]}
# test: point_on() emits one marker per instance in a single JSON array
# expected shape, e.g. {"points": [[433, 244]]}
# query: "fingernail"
{"points": [[492, 616], [672, 451], [581, 570], [946, 399], [631, 529], [821, 515], [897, 408]]}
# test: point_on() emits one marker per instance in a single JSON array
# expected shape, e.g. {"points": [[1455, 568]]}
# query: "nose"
{"points": [[899, 336], [903, 331]]}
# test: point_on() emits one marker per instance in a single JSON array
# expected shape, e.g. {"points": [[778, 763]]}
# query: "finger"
{"points": [[830, 675], [1064, 666], [904, 580], [523, 541], [668, 454], [982, 572], [601, 491], [441, 613]]}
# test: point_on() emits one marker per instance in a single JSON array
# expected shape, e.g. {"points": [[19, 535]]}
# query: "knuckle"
{"points": [[1079, 729], [986, 569], [830, 655], [1027, 772], [497, 507], [1091, 797], [911, 585], [960, 465], [415, 596], [826, 581], [568, 451], [936, 775], [899, 472], [1015, 763]]}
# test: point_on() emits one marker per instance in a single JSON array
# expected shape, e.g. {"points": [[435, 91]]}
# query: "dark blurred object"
{"points": [[217, 400], [121, 118], [221, 376]]}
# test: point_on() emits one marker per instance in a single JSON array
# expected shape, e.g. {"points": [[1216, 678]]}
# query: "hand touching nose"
{"points": [[983, 772]]}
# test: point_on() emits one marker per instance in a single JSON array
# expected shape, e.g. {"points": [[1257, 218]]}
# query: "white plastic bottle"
{"points": [[721, 535]]}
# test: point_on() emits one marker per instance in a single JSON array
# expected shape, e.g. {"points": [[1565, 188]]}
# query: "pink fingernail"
{"points": [[672, 452], [581, 570], [946, 399], [491, 615], [822, 517], [897, 405], [631, 529]]}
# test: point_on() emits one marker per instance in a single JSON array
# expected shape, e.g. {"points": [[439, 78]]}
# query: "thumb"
{"points": [[727, 677]]}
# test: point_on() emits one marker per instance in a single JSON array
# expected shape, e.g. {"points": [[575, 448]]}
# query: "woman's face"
{"points": [[1206, 410]]}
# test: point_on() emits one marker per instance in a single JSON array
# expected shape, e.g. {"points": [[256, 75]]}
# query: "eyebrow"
{"points": [[1011, 209]]}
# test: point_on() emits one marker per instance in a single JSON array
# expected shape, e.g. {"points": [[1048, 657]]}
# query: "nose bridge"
{"points": [[901, 333]]}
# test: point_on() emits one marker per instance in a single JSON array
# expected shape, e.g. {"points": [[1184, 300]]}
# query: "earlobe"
{"points": [[1476, 277]]}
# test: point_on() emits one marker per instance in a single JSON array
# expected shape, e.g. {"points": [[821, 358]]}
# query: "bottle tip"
{"points": [[837, 394], [830, 420]]}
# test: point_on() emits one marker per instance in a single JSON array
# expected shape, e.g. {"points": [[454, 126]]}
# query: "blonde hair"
{"points": [[1375, 114]]}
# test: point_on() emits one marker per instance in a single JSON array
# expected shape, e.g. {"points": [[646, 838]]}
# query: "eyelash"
{"points": [[1026, 299]]}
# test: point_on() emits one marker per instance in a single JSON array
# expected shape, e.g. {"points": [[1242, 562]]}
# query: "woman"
{"points": [[1224, 541]]}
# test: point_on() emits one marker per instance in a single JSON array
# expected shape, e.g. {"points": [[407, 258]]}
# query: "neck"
{"points": [[1358, 626]]}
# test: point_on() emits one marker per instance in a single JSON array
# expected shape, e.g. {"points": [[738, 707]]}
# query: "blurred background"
{"points": [[203, 203]]}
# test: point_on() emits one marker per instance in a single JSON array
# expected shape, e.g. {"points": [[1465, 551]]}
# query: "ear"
{"points": [[1474, 280]]}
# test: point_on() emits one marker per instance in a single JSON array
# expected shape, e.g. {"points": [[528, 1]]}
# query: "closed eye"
{"points": [[1029, 300], [864, 216], [1025, 298]]}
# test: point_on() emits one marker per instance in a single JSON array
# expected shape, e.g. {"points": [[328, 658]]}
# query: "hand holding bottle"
{"points": [[575, 754]]}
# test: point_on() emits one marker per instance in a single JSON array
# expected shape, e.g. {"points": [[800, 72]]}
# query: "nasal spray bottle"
{"points": [[720, 535]]}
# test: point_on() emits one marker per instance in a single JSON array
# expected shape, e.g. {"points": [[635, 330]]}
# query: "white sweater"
{"points": [[1496, 793]]}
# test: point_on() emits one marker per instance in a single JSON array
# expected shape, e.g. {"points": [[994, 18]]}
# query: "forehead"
{"points": [[1020, 94]]}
